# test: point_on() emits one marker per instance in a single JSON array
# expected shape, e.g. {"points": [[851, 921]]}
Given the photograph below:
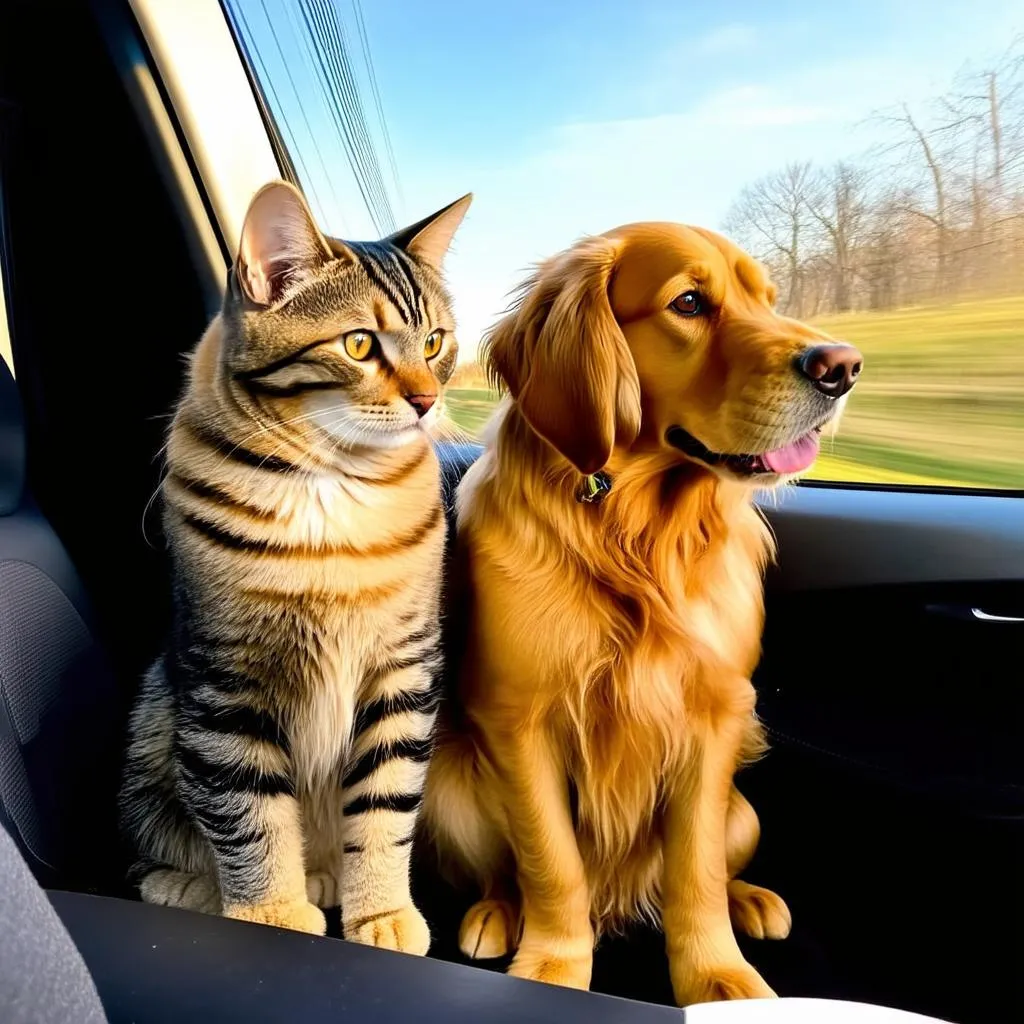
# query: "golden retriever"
{"points": [[584, 777]]}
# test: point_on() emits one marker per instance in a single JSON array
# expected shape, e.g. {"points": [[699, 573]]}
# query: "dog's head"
{"points": [[660, 335]]}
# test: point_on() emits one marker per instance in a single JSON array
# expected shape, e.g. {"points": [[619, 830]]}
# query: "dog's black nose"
{"points": [[832, 369]]}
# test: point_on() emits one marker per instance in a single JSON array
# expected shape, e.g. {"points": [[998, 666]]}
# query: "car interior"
{"points": [[891, 802]]}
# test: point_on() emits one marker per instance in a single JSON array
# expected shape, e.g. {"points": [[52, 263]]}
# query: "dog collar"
{"points": [[594, 488]]}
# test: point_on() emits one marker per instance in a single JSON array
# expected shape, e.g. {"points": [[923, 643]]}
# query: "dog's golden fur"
{"points": [[585, 774]]}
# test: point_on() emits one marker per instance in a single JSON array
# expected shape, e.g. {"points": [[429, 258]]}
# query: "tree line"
{"points": [[935, 213]]}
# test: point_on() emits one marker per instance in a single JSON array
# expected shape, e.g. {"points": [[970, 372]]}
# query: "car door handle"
{"points": [[971, 613]]}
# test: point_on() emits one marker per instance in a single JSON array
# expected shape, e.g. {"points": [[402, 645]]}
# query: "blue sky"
{"points": [[574, 116]]}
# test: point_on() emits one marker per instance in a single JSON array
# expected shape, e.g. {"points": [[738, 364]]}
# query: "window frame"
{"points": [[208, 88], [854, 485]]}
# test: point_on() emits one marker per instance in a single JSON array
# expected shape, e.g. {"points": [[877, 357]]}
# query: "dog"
{"points": [[612, 559]]}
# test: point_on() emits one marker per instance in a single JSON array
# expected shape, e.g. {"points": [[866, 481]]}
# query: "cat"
{"points": [[277, 748]]}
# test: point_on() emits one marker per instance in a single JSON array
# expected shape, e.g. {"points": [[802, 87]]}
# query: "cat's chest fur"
{"points": [[339, 625], [323, 713]]}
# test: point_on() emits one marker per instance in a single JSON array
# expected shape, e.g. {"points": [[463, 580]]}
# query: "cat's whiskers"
{"points": [[308, 456], [353, 428], [165, 471], [266, 428], [334, 440], [164, 474], [341, 478], [446, 429], [328, 438]]}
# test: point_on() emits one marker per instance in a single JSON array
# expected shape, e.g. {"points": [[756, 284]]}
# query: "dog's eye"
{"points": [[689, 304]]}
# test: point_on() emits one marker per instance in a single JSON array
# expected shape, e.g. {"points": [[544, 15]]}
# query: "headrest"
{"points": [[12, 442]]}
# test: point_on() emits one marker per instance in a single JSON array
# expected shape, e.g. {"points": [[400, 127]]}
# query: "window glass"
{"points": [[871, 154]]}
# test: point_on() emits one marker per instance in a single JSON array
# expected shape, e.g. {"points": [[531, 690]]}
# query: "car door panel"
{"points": [[835, 537], [892, 800]]}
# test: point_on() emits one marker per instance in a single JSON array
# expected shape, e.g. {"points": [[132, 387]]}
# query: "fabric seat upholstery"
{"points": [[59, 743]]}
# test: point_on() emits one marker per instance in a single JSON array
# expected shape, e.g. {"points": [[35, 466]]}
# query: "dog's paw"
{"points": [[166, 887], [540, 965], [299, 915], [488, 930], [759, 913], [718, 984], [403, 930], [322, 889]]}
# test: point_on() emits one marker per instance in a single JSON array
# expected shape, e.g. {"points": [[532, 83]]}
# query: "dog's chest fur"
{"points": [[648, 671], [649, 699], [648, 687]]}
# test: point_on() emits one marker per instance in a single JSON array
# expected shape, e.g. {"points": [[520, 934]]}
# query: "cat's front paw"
{"points": [[404, 930], [300, 915]]}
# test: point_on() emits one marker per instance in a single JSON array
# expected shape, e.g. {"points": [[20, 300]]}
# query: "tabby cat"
{"points": [[278, 747]]}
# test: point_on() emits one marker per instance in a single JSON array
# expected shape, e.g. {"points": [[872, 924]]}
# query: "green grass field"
{"points": [[941, 400]]}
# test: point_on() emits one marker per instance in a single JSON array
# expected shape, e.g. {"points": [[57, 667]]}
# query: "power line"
{"points": [[357, 7], [317, 79], [325, 54], [337, 105], [250, 47], [329, 178], [321, 23], [350, 85]]}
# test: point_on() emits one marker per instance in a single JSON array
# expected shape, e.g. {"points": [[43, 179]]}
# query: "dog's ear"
{"points": [[564, 359]]}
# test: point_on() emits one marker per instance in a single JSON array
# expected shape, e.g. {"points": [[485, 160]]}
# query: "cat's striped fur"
{"points": [[278, 747]]}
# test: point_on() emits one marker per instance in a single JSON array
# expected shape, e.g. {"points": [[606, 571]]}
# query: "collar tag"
{"points": [[593, 488]]}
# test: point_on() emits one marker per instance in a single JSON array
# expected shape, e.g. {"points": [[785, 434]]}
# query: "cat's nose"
{"points": [[421, 403]]}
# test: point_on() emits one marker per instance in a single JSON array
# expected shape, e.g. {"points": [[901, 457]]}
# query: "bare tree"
{"points": [[916, 147], [983, 123], [880, 260], [939, 214], [985, 109], [836, 200], [772, 219]]}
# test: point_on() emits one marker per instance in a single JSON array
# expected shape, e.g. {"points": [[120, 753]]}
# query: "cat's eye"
{"points": [[359, 345], [435, 339]]}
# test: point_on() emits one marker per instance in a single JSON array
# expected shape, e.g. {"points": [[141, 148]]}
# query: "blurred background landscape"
{"points": [[915, 253]]}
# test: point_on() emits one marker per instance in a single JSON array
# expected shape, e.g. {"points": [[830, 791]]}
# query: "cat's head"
{"points": [[352, 341]]}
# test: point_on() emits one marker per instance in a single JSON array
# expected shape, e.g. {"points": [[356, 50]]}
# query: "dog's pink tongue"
{"points": [[795, 457]]}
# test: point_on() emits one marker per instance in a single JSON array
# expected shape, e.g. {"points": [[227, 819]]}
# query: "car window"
{"points": [[872, 156]]}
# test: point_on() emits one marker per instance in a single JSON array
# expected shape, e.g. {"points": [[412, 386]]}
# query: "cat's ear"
{"points": [[281, 246], [429, 239]]}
